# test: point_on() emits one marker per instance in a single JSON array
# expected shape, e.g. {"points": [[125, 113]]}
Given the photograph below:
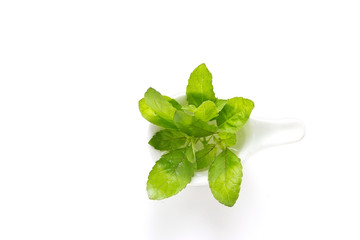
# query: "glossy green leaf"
{"points": [[206, 111], [149, 114], [225, 175], [170, 174], [229, 139], [168, 139], [193, 126], [205, 156], [234, 114], [200, 88], [159, 104]]}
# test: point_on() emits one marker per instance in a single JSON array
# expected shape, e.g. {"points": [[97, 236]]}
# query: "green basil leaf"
{"points": [[225, 175], [205, 156], [206, 111], [193, 126], [170, 174], [149, 114], [200, 88], [159, 104], [234, 114], [168, 139], [220, 103], [229, 139]]}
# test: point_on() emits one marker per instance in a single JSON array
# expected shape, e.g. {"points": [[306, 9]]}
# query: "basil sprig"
{"points": [[196, 137]]}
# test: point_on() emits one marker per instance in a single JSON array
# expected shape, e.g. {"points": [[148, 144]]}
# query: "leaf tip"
{"points": [[202, 67]]}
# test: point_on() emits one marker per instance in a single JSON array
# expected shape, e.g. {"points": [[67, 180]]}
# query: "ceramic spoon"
{"points": [[256, 135]]}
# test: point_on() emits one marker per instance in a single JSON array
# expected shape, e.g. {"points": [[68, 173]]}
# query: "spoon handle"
{"points": [[260, 133]]}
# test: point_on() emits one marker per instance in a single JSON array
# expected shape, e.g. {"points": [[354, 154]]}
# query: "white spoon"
{"points": [[257, 134]]}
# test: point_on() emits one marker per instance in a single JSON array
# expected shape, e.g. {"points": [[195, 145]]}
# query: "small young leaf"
{"points": [[200, 88], [220, 103], [225, 176], [173, 102], [205, 156], [170, 174], [168, 139], [206, 111], [190, 108], [193, 126], [190, 154], [234, 114], [149, 114], [219, 143], [159, 104], [229, 139]]}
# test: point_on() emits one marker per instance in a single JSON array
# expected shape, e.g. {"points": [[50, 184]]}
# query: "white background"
{"points": [[74, 157]]}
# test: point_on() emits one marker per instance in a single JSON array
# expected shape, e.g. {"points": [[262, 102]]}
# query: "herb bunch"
{"points": [[204, 121]]}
